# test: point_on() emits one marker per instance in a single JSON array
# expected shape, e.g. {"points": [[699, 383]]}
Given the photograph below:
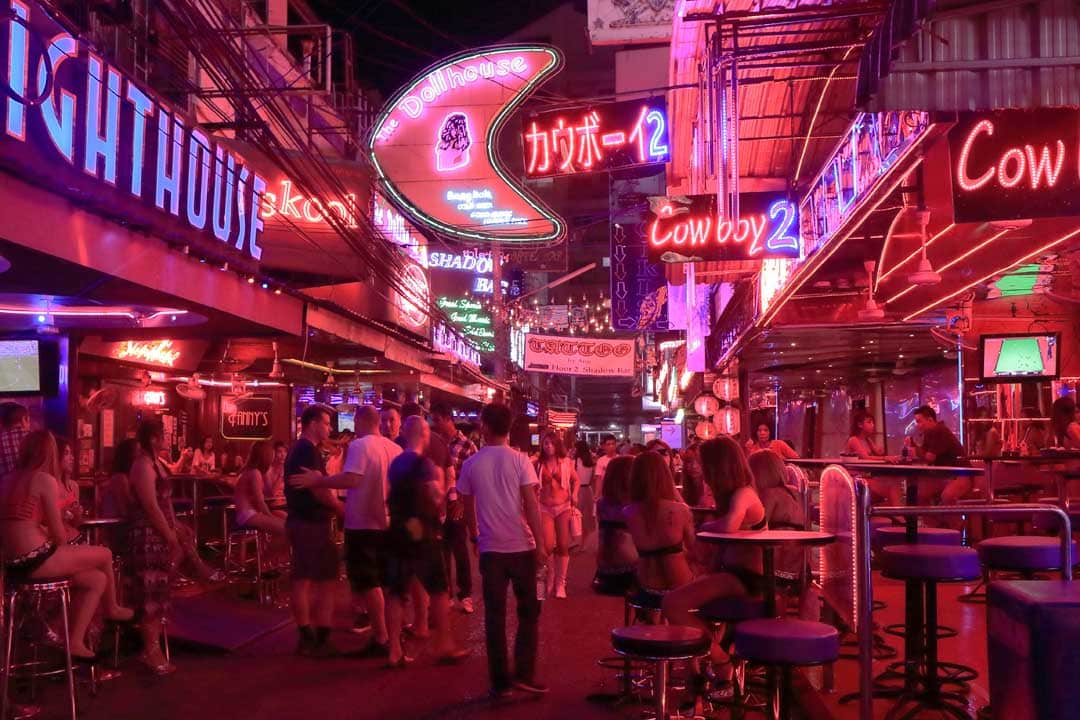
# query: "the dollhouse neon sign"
{"points": [[434, 146], [610, 137]]}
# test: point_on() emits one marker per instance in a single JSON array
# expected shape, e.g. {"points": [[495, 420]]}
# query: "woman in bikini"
{"points": [[251, 508], [661, 525], [35, 540], [558, 488]]}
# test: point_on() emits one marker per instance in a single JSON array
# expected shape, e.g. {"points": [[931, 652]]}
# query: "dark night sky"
{"points": [[395, 39]]}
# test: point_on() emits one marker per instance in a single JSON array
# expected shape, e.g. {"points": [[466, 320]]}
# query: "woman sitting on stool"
{"points": [[616, 557], [661, 525]]}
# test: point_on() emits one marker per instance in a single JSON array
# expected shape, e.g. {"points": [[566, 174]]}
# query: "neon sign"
{"points": [[688, 228], [398, 230], [468, 316], [869, 148], [150, 398], [478, 262], [434, 146], [412, 303], [154, 352], [445, 340], [78, 124], [608, 137], [1011, 165], [291, 205]]}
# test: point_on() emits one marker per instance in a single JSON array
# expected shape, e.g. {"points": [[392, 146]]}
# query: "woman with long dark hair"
{"points": [[616, 556], [71, 511], [558, 486], [1063, 420], [735, 571], [661, 525], [694, 490], [251, 508], [585, 467], [35, 542]]}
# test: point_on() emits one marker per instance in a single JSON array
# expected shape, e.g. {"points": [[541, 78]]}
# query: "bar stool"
{"points": [[661, 645], [926, 566], [886, 535], [786, 644], [1021, 554], [616, 585], [243, 538], [35, 591], [728, 612], [643, 603]]}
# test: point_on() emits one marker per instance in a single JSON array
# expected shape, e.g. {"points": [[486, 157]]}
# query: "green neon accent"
{"points": [[1019, 282], [556, 63]]}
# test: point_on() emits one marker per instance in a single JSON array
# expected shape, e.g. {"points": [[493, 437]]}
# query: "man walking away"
{"points": [[308, 528], [455, 534], [496, 483]]}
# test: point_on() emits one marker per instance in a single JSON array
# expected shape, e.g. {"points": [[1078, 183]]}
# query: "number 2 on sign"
{"points": [[780, 239]]}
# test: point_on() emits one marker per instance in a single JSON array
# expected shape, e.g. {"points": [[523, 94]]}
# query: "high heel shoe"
{"points": [[163, 668]]}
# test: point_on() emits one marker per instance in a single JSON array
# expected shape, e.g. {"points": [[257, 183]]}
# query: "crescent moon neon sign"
{"points": [[434, 146]]}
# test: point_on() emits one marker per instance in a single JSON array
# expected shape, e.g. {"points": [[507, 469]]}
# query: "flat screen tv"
{"points": [[1013, 358], [20, 367]]}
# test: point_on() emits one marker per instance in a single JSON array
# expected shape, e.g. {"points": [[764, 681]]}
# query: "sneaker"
{"points": [[500, 693], [531, 687], [362, 624], [467, 606]]}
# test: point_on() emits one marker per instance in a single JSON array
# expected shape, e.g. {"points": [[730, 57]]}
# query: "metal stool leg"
{"points": [[165, 638], [660, 687], [65, 601], [8, 646]]}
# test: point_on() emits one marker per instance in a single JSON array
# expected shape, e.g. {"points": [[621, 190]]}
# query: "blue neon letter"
{"points": [[59, 125], [18, 51], [144, 108], [224, 184], [198, 171], [170, 138], [258, 186], [98, 144]]}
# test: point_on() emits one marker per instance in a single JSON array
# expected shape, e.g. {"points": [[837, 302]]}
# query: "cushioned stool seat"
{"points": [[885, 535], [930, 562], [1022, 552], [778, 641], [732, 609], [660, 642]]}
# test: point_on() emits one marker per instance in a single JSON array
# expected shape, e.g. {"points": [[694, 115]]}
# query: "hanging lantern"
{"points": [[705, 430], [706, 405]]}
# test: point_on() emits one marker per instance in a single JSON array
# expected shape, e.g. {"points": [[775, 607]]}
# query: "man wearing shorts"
{"points": [[414, 551], [364, 475], [308, 528]]}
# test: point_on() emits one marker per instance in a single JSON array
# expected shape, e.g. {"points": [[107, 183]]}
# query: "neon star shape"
{"points": [[434, 146]]}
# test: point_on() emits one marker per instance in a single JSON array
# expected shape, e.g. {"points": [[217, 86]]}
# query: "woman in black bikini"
{"points": [[661, 525], [616, 556], [734, 571]]}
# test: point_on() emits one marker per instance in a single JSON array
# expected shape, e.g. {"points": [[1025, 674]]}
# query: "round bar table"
{"points": [[768, 541], [93, 527]]}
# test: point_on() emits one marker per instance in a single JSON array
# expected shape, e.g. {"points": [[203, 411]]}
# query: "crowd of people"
{"points": [[419, 501]]}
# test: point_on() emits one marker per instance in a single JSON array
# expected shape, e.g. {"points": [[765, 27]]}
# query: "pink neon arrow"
{"points": [[434, 146]]}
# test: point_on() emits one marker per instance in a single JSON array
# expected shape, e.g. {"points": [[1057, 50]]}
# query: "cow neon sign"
{"points": [[77, 123], [434, 146], [689, 228], [1010, 165], [609, 137]]}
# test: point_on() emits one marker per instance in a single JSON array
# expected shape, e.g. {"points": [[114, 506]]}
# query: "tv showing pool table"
{"points": [[1014, 358]]}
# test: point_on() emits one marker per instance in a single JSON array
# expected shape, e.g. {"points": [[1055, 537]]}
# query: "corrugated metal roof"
{"points": [[982, 56]]}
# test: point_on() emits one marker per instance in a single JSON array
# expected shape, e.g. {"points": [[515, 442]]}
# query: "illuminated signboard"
{"points": [[1016, 164], [468, 316], [606, 137], [478, 262], [395, 228], [688, 228], [446, 341], [153, 352], [247, 418], [870, 147], [283, 200], [579, 356], [412, 304], [74, 123], [434, 146]]}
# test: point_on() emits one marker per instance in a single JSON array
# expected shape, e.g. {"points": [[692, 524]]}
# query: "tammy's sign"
{"points": [[247, 418], [579, 356], [71, 121]]}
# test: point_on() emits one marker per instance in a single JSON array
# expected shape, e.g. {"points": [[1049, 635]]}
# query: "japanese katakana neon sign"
{"points": [[605, 137], [434, 146], [688, 228]]}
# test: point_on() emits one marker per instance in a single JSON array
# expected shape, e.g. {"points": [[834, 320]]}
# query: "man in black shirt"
{"points": [[415, 549], [941, 448], [308, 527]]}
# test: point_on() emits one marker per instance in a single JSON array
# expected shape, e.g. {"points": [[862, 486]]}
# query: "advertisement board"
{"points": [[579, 356]]}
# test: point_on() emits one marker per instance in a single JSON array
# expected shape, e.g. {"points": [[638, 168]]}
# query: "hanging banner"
{"points": [[434, 147], [618, 22], [604, 137], [688, 228], [638, 286], [577, 356]]}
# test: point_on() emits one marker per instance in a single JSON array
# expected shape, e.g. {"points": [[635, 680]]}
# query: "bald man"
{"points": [[364, 475]]}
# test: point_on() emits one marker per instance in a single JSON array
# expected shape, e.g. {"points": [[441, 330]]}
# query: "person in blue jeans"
{"points": [[496, 483]]}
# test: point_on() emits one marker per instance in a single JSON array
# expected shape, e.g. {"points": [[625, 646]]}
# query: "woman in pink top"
{"points": [[764, 441], [35, 541], [558, 488]]}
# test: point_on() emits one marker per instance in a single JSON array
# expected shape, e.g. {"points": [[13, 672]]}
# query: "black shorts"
{"points": [[314, 552], [365, 558], [423, 561]]}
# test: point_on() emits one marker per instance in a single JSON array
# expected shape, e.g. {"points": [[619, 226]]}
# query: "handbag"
{"points": [[575, 522]]}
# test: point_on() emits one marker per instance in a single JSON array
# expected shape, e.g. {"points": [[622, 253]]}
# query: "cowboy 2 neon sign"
{"points": [[689, 228]]}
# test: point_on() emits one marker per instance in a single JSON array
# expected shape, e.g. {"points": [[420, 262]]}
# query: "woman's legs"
{"points": [[561, 557], [269, 523], [679, 604], [87, 587], [395, 611], [150, 632], [68, 560]]}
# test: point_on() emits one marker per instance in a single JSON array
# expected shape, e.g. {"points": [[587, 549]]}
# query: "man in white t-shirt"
{"points": [[609, 447], [498, 484], [364, 474]]}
